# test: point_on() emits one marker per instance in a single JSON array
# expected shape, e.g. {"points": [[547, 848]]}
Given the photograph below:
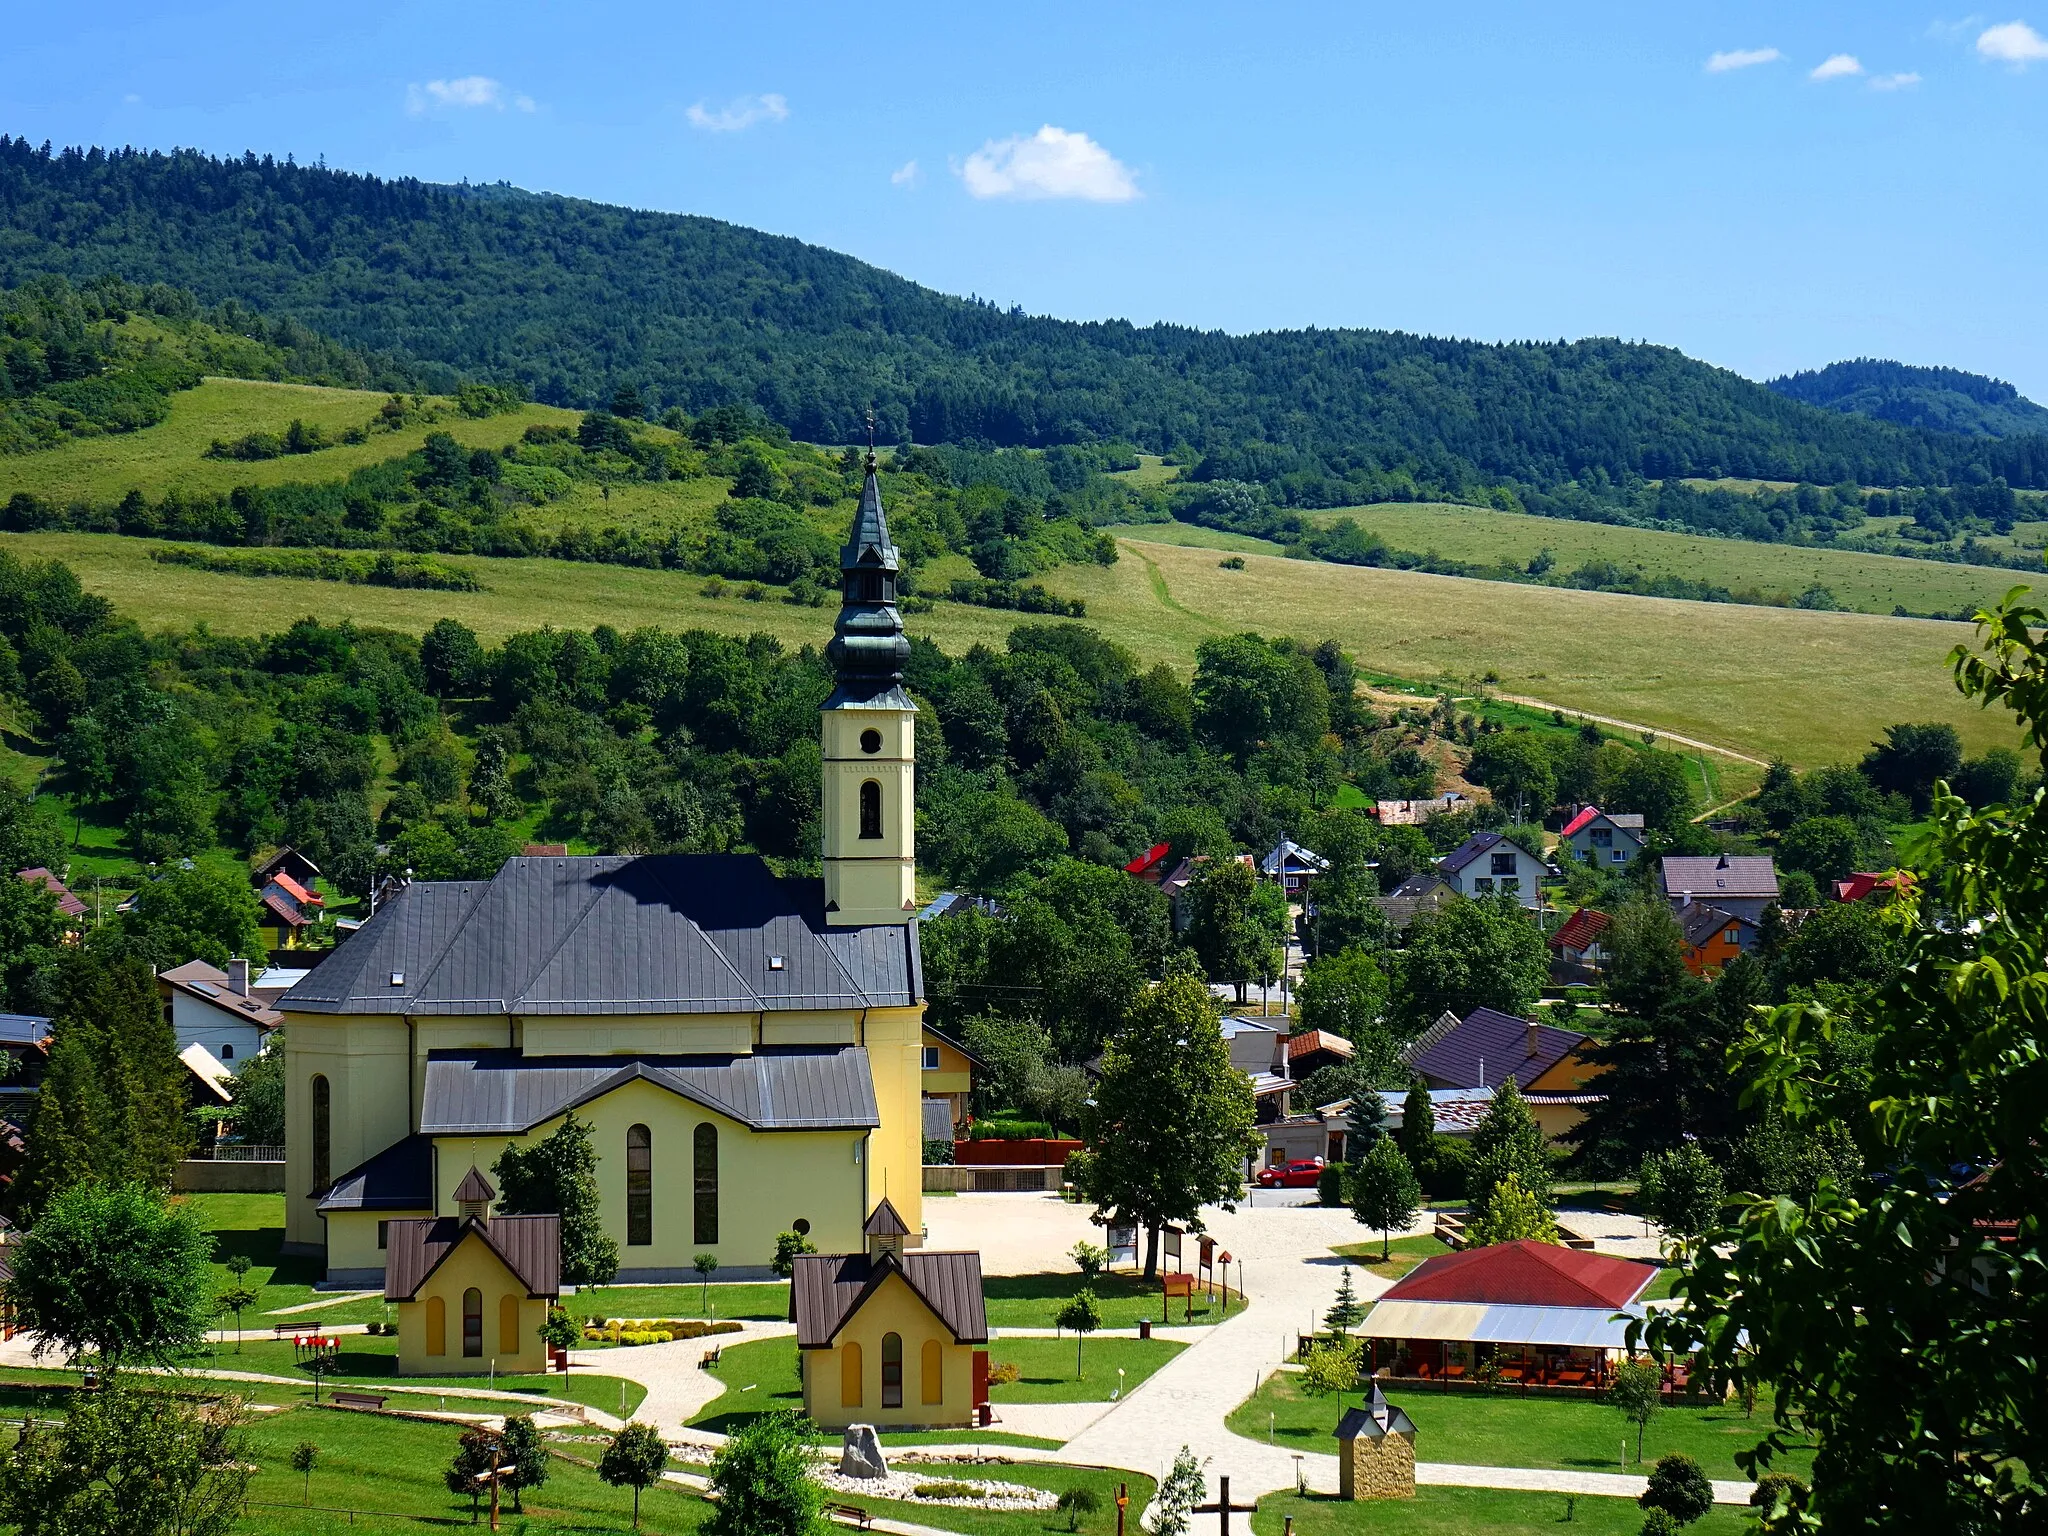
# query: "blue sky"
{"points": [[1842, 180]]}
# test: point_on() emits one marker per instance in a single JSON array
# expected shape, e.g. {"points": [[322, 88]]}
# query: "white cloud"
{"points": [[468, 91], [2012, 42], [1835, 66], [1049, 163], [905, 175], [1741, 58], [739, 114], [1903, 80]]}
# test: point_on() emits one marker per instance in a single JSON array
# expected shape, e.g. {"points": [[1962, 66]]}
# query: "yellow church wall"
{"points": [[653, 1035], [871, 880], [766, 1181], [894, 1308], [364, 1062], [353, 1253], [809, 1029], [895, 1043], [472, 1264]]}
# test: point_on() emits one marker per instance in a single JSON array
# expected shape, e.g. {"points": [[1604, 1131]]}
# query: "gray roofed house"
{"points": [[826, 1289], [1419, 895], [656, 934], [1485, 1048], [530, 1246], [1743, 884], [1487, 864], [777, 1088]]}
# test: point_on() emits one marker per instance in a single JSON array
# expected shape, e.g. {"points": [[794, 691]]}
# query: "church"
{"points": [[746, 1048]]}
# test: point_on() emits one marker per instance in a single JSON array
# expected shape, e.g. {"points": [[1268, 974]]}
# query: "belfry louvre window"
{"points": [[705, 1159], [639, 1187], [870, 808]]}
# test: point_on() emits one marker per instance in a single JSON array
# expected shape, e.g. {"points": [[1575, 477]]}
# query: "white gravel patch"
{"points": [[904, 1486]]}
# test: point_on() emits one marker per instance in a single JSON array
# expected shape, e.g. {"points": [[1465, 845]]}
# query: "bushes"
{"points": [[937, 1153], [644, 1330], [1332, 1185], [1679, 1489], [1009, 1130]]}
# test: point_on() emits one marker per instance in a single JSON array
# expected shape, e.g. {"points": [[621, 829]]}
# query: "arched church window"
{"points": [[639, 1187], [705, 1157]]}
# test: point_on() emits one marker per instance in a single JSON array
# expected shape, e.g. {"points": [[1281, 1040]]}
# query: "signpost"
{"points": [[1123, 1501], [1123, 1244], [1171, 1286], [1223, 1509]]}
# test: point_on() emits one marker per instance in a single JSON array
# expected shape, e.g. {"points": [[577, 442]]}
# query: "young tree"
{"points": [[1173, 1116], [1082, 1316], [238, 1295], [112, 1271], [559, 1174], [1345, 1313], [1508, 1144], [1681, 1191], [706, 1265], [1330, 1368], [1511, 1215], [1183, 1488], [1813, 1297], [305, 1457], [1089, 1258], [477, 1454], [761, 1475], [787, 1246], [1485, 953], [1078, 1502], [258, 1090], [522, 1456], [136, 1463], [1680, 1488], [1236, 923], [559, 1329], [1384, 1192], [1417, 1135], [1636, 1391], [1365, 1124]]}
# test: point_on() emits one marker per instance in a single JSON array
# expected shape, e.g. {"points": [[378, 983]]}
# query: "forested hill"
{"points": [[573, 299], [1938, 399]]}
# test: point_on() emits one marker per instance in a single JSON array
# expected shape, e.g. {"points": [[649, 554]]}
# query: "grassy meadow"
{"points": [[173, 453]]}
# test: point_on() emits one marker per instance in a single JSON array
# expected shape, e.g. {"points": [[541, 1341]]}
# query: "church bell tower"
{"points": [[869, 734]]}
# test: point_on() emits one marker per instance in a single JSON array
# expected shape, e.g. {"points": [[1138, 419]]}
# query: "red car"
{"points": [[1302, 1173]]}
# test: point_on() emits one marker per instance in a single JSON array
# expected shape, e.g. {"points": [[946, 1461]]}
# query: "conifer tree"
{"points": [[1417, 1135], [1508, 1144], [1345, 1313]]}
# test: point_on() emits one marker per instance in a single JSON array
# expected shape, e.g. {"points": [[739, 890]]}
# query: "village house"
{"points": [[747, 1049], [1863, 885], [1293, 866], [891, 1336], [471, 1290], [1577, 950], [218, 1010], [948, 1080], [67, 903], [1743, 884], [1413, 813], [1258, 1048], [1487, 864], [1712, 937], [1607, 841], [1473, 1056], [1421, 895]]}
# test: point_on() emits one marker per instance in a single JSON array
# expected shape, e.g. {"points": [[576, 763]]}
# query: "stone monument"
{"points": [[1376, 1451], [860, 1454]]}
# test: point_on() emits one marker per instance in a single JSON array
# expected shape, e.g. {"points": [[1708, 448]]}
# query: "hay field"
{"points": [[1811, 687]]}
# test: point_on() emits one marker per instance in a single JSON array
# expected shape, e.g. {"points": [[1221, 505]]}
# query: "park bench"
{"points": [[370, 1400], [710, 1357], [852, 1514], [310, 1325]]}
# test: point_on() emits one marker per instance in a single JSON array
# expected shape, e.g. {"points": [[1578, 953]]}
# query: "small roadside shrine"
{"points": [[1376, 1451]]}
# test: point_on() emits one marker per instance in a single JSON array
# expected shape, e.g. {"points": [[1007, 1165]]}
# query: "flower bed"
{"points": [[909, 1489], [651, 1330]]}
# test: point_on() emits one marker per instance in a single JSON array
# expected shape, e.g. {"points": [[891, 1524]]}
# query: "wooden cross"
{"points": [[1222, 1509]]}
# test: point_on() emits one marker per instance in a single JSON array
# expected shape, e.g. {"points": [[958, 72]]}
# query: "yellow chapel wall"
{"points": [[895, 1042], [766, 1181], [471, 1264], [893, 1308]]}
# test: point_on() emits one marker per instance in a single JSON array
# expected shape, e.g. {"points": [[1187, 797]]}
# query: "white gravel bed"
{"points": [[904, 1485]]}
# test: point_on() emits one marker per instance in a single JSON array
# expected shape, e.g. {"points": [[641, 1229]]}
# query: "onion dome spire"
{"points": [[868, 650]]}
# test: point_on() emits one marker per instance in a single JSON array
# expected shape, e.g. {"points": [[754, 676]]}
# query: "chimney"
{"points": [[238, 976], [1531, 1048]]}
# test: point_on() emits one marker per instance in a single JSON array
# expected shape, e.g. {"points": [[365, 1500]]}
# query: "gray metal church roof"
{"points": [[778, 1088], [656, 934]]}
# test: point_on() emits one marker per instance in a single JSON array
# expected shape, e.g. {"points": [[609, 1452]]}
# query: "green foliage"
{"points": [[1778, 1495], [1081, 1316], [1173, 1116], [203, 913], [559, 1174], [469, 1470], [761, 1476], [258, 1090], [305, 1457], [1470, 954], [1345, 1313], [1508, 1144], [1680, 1488], [1331, 1184], [1346, 994], [112, 1271], [787, 1246], [560, 1330], [1384, 1191], [1510, 1214], [1078, 1502], [1636, 1391], [1179, 1492], [1681, 1191], [1938, 399], [1089, 1258], [523, 1458], [1237, 923], [128, 1461], [1331, 1367]]}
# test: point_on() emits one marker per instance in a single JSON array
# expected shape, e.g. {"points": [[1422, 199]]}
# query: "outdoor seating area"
{"points": [[1529, 1369]]}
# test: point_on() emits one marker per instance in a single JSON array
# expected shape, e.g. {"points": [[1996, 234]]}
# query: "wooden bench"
{"points": [[711, 1356], [370, 1400], [852, 1514], [280, 1330]]}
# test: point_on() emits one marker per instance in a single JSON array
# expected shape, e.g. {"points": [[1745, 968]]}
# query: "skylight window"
{"points": [[398, 978], [775, 962]]}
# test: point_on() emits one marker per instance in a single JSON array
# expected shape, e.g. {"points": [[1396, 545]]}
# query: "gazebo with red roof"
{"points": [[1531, 1312]]}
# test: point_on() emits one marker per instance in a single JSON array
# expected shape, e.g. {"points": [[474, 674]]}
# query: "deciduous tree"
{"points": [[1384, 1191], [761, 1475], [559, 1174]]}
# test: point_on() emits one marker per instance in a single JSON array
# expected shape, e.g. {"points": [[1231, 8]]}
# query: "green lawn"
{"points": [[992, 1522], [253, 1226], [1404, 1253], [1570, 1434], [1461, 1511], [1033, 1301], [765, 1302], [762, 1374], [393, 1467], [365, 1361]]}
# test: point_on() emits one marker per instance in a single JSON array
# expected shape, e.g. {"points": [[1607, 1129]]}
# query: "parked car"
{"points": [[1302, 1173]]}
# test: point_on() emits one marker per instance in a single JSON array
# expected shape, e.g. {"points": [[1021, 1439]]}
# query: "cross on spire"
{"points": [[871, 439]]}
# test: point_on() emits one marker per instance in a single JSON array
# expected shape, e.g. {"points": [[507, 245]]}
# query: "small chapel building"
{"points": [[890, 1336], [471, 1290], [747, 1049]]}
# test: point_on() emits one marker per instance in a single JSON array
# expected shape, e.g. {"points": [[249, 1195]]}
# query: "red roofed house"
{"points": [[1151, 866], [289, 906], [67, 903], [1860, 885], [1576, 948], [1532, 1312], [1611, 842]]}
